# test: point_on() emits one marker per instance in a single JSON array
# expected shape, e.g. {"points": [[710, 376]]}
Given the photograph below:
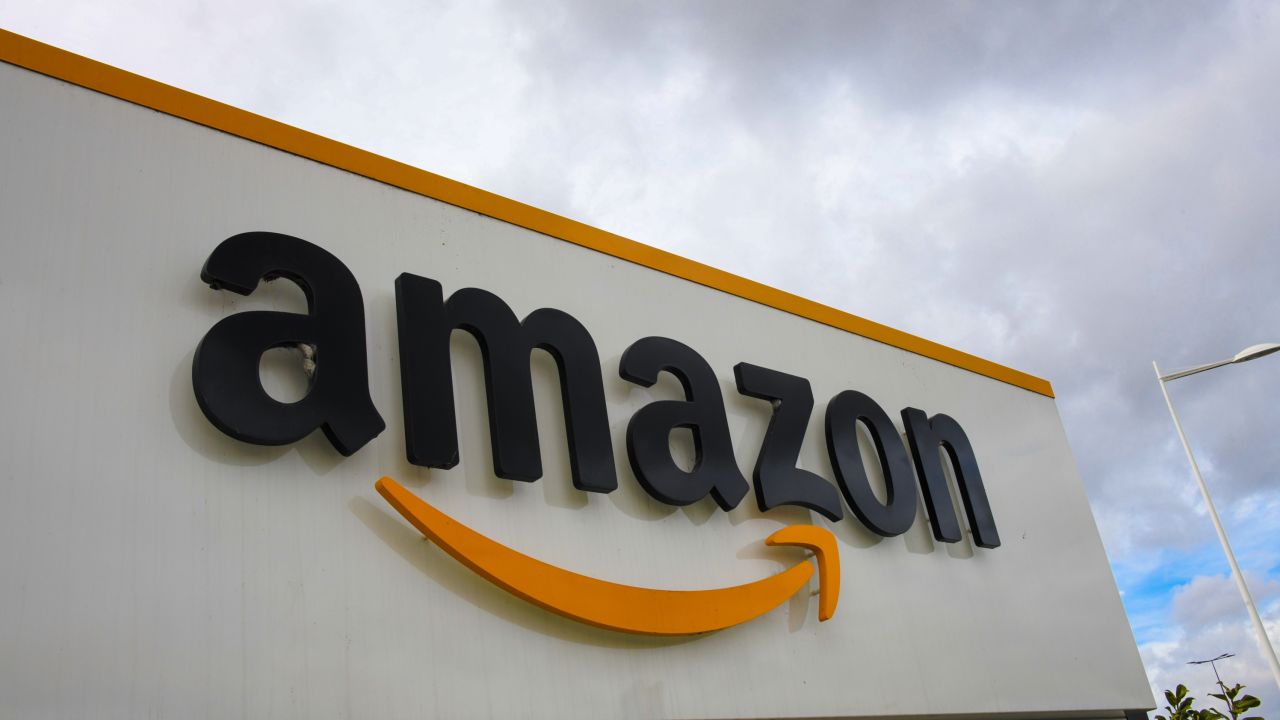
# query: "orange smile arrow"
{"points": [[624, 607]]}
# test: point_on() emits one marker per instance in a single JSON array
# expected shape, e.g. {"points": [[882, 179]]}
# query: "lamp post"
{"points": [[1249, 353]]}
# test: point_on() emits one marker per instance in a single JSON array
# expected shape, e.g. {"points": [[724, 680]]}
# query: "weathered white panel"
{"points": [[154, 567]]}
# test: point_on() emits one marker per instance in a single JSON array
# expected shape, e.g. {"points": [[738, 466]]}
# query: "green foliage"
{"points": [[1181, 706], [1236, 703]]}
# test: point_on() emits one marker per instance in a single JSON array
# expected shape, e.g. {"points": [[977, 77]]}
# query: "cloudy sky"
{"points": [[1073, 189]]}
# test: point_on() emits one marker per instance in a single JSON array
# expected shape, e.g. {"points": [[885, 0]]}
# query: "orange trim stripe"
{"points": [[63, 65]]}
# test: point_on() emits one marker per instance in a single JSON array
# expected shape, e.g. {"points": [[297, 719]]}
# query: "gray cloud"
{"points": [[1210, 601], [906, 55]]}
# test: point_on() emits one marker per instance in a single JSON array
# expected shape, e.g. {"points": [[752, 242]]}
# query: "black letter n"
{"points": [[926, 435], [224, 372]]}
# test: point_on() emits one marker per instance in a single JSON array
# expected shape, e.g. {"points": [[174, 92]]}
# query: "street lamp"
{"points": [[1250, 353]]}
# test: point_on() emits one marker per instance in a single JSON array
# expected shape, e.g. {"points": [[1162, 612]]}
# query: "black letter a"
{"points": [[715, 470], [224, 372]]}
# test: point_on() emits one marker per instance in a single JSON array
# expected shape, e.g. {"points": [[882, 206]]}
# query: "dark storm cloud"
{"points": [[907, 55]]}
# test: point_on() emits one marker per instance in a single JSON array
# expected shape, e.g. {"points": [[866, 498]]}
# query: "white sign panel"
{"points": [[153, 565]]}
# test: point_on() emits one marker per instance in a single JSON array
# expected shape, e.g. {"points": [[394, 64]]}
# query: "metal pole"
{"points": [[1214, 664], [1268, 652]]}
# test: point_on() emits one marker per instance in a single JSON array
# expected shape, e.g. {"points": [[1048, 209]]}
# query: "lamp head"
{"points": [[1255, 351]]}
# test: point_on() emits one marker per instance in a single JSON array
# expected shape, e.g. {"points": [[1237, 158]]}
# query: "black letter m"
{"points": [[426, 321]]}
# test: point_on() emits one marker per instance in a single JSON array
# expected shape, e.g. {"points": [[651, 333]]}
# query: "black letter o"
{"points": [[890, 518]]}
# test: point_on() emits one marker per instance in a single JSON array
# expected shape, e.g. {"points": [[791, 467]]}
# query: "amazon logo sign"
{"points": [[229, 391]]}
